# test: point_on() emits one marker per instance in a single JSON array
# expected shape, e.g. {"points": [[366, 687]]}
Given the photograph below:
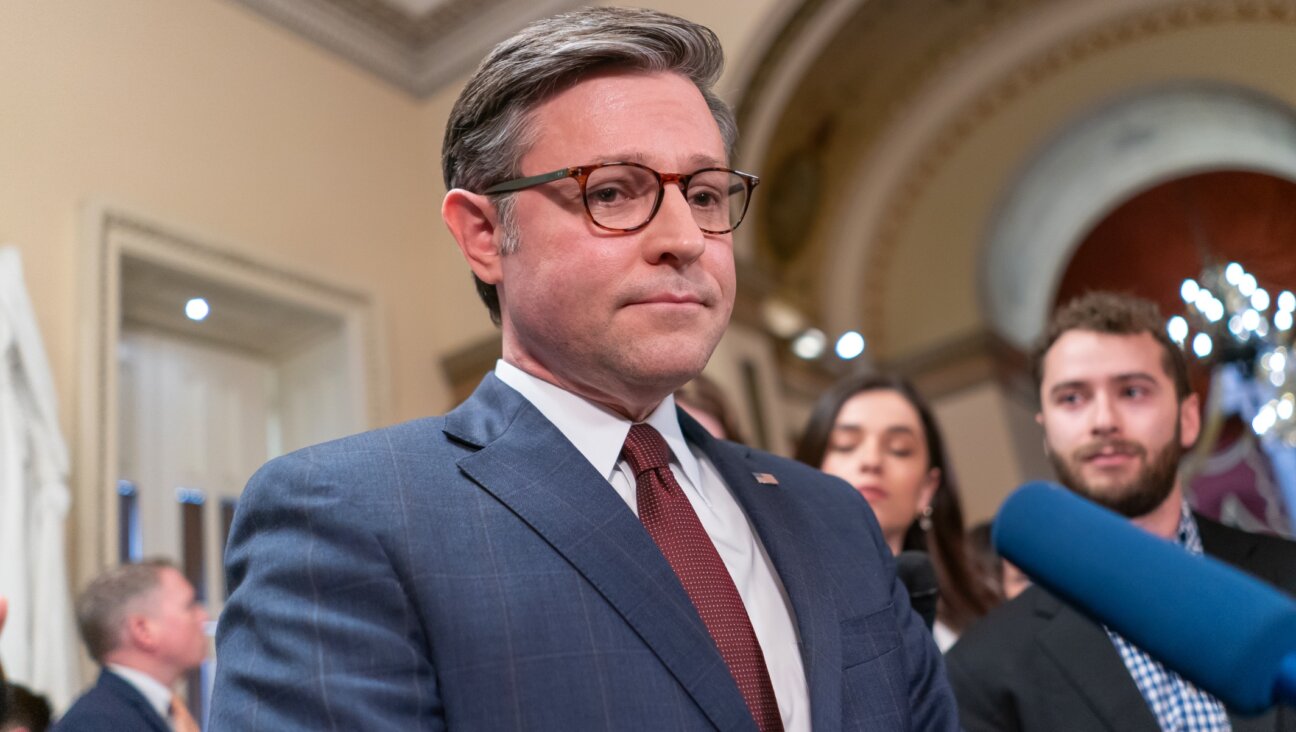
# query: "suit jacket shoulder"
{"points": [[1270, 558], [112, 703]]}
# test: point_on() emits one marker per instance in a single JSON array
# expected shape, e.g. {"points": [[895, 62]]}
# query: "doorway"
{"points": [[202, 363]]}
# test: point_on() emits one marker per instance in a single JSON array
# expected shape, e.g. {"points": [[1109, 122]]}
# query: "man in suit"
{"points": [[566, 550], [143, 624], [1117, 412]]}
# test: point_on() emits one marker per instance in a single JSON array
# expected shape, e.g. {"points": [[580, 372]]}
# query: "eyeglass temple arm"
{"points": [[518, 184], [751, 182]]}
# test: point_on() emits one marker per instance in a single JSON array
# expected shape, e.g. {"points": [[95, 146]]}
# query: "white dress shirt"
{"points": [[600, 434], [154, 691]]}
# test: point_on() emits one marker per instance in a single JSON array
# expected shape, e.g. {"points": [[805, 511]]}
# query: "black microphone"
{"points": [[1220, 628], [915, 570]]}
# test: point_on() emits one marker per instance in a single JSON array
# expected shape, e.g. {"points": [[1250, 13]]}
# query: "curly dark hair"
{"points": [[1114, 314]]}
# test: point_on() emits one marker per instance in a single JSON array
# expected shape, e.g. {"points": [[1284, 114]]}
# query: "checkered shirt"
{"points": [[1178, 705]]}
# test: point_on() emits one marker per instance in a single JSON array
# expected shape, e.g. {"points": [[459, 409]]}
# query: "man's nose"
{"points": [[673, 233], [1106, 420]]}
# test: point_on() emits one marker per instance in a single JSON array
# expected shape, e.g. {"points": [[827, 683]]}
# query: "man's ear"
{"points": [[1039, 420], [474, 223], [1189, 420], [140, 631]]}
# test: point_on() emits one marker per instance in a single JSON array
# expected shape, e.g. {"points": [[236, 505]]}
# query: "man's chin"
{"points": [[1130, 500]]}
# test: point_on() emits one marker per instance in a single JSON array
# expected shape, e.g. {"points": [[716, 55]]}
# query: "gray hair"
{"points": [[102, 607], [489, 128]]}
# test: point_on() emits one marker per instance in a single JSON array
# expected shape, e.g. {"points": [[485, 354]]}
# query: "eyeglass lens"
{"points": [[625, 196]]}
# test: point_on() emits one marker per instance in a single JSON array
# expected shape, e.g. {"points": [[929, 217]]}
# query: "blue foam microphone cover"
{"points": [[1220, 628]]}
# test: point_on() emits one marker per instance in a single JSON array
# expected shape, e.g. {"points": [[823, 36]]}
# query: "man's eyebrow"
{"points": [[706, 161], [695, 162], [1083, 383], [1134, 376], [1065, 385]]}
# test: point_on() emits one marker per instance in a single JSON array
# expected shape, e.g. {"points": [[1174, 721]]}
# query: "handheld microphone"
{"points": [[1220, 628], [916, 572]]}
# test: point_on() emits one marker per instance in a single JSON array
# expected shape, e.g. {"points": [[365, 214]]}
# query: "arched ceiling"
{"points": [[895, 148], [1150, 243], [871, 67]]}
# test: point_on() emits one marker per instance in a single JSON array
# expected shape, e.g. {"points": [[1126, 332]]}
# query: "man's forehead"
{"points": [[628, 116], [1089, 356]]}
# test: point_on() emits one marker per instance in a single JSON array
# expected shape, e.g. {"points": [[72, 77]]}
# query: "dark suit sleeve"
{"points": [[981, 707], [931, 701], [318, 632]]}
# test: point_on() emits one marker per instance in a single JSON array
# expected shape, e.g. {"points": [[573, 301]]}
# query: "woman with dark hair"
{"points": [[876, 433]]}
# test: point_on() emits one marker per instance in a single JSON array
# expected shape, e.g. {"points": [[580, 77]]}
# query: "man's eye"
{"points": [[703, 199], [606, 195]]}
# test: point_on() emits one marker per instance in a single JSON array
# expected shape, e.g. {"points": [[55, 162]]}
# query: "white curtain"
{"points": [[39, 644]]}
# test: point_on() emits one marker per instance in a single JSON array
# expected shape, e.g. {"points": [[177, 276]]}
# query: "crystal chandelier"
{"points": [[1245, 336], [1234, 323]]}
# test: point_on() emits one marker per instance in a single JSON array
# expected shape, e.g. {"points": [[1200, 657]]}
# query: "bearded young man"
{"points": [[1118, 412]]}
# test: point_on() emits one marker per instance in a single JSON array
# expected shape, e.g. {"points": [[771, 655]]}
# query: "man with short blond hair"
{"points": [[144, 625]]}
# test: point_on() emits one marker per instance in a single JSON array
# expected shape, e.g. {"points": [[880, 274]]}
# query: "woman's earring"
{"points": [[924, 518]]}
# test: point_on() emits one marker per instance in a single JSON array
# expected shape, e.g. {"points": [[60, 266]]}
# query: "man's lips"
{"points": [[1110, 461], [668, 299], [1110, 454]]}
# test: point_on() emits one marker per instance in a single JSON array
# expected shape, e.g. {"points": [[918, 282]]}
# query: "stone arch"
{"points": [[1141, 140]]}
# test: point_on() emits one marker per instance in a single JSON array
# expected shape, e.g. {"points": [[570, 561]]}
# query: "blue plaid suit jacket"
{"points": [[475, 572]]}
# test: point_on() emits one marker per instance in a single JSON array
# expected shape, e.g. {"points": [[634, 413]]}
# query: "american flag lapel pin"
{"points": [[765, 478]]}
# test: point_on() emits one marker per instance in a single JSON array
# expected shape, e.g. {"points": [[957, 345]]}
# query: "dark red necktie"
{"points": [[671, 522]]}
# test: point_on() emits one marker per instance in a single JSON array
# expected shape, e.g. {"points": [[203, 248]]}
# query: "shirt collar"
{"points": [[1188, 536], [154, 691], [597, 433]]}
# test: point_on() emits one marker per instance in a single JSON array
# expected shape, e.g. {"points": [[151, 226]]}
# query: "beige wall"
{"points": [[201, 114]]}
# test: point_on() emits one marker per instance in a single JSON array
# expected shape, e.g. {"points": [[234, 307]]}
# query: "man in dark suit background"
{"points": [[143, 624], [1117, 412], [566, 550]]}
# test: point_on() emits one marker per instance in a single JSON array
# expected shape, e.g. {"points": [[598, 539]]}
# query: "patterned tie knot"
{"points": [[645, 449]]}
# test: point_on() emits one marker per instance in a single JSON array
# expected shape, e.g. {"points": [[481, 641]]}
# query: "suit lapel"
{"points": [[1088, 660], [526, 464], [1239, 549], [124, 690], [781, 524], [1227, 545]]}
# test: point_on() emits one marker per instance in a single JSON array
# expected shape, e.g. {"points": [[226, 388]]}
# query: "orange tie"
{"points": [[181, 719]]}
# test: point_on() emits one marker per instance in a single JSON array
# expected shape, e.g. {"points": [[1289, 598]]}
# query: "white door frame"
{"points": [[112, 233]]}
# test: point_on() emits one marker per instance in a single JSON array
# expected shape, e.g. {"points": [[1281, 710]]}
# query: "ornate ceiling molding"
{"points": [[418, 52]]}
